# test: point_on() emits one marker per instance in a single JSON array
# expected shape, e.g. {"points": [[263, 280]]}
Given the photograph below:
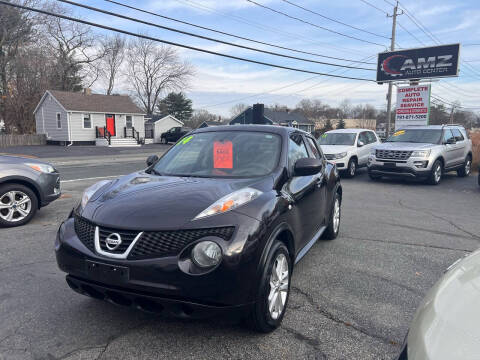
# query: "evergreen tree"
{"points": [[341, 124], [328, 126], [176, 104]]}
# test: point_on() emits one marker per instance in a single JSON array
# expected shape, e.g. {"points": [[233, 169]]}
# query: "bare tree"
{"points": [[154, 69], [199, 116], [237, 109], [114, 49]]}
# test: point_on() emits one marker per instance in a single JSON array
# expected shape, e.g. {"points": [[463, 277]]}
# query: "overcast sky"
{"points": [[220, 83]]}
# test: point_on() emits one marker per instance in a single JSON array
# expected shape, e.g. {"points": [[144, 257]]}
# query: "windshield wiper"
{"points": [[156, 172]]}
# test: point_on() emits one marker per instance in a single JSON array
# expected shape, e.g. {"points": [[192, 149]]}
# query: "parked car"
{"points": [[174, 134], [349, 149], [424, 152], [26, 185], [445, 326], [215, 225]]}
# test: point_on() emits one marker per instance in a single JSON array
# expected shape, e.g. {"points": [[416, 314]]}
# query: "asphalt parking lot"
{"points": [[352, 298]]}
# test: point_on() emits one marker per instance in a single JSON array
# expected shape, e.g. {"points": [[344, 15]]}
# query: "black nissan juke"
{"points": [[215, 225]]}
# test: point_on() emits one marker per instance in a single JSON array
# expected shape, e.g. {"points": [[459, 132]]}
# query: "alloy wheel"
{"points": [[352, 168], [279, 280], [336, 216], [438, 173], [15, 206], [468, 167]]}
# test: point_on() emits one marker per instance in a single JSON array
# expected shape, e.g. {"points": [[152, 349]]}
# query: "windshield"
{"points": [[337, 139], [222, 154], [430, 136]]}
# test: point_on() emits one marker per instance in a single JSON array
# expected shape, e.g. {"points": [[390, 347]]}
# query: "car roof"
{"points": [[350, 131], [433, 127], [281, 130]]}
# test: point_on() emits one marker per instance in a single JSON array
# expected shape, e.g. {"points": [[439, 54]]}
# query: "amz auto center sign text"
{"points": [[413, 106]]}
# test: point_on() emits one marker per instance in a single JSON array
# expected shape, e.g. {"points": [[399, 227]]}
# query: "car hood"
{"points": [[404, 146], [7, 159], [336, 149], [446, 325], [149, 202]]}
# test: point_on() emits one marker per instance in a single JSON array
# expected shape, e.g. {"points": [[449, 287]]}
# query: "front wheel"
{"points": [[466, 168], [267, 313], [351, 169], [164, 141], [331, 232], [436, 173], [18, 205]]}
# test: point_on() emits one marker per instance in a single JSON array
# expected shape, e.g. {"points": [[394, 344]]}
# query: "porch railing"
{"points": [[131, 133], [102, 132]]}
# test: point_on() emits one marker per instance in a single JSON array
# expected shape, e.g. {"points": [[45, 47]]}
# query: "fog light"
{"points": [[206, 254], [421, 164]]}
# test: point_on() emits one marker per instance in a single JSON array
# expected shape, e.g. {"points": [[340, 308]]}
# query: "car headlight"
{"points": [[421, 153], [206, 254], [230, 202], [44, 168], [340, 155], [88, 193]]}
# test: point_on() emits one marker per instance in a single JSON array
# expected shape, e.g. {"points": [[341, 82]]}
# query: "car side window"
{"points": [[371, 137], [458, 135], [296, 150], [314, 149], [447, 134], [363, 138]]}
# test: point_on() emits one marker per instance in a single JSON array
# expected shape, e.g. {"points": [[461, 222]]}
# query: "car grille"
{"points": [[330, 156], [393, 154], [151, 244], [168, 243]]}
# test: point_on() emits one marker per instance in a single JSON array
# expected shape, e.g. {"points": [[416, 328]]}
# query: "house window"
{"points": [[128, 122], [59, 121], [87, 121]]}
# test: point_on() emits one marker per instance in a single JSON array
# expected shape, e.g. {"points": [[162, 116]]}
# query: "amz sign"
{"points": [[421, 63]]}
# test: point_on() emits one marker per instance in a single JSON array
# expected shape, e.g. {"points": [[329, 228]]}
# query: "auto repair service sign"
{"points": [[413, 106], [421, 63]]}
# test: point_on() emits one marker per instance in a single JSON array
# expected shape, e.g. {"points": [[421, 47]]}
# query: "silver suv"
{"points": [[425, 152]]}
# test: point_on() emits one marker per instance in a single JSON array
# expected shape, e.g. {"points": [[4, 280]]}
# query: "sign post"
{"points": [[413, 106]]}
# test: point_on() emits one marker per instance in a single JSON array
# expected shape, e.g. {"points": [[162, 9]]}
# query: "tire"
{"points": [[466, 169], [352, 168], [374, 177], [333, 227], [164, 141], [14, 214], [436, 174], [261, 319]]}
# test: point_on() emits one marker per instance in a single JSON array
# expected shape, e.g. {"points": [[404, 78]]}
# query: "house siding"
{"points": [[49, 109], [98, 119]]}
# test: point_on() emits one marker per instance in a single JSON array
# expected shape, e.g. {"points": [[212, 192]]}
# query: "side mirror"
{"points": [[451, 141], [152, 159], [307, 166], [360, 143]]}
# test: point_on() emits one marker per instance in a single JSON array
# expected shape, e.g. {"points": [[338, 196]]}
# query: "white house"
{"points": [[156, 126], [86, 118]]}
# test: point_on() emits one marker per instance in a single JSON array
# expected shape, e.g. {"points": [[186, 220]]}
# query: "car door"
{"points": [[450, 149], [460, 151], [321, 191], [302, 190], [363, 151]]}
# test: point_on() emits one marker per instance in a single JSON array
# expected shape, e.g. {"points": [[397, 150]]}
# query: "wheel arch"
{"points": [[25, 182]]}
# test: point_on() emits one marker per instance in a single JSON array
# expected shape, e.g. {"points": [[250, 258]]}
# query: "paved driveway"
{"points": [[352, 298]]}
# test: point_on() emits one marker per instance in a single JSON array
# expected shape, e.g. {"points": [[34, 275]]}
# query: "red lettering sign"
{"points": [[223, 155]]}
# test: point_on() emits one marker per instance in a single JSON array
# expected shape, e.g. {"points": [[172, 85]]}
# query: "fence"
{"points": [[14, 140]]}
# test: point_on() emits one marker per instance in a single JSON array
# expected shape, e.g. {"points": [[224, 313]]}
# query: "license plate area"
{"points": [[107, 272], [389, 165]]}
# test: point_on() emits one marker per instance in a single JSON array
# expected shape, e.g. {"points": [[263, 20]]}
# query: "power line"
{"points": [[373, 6], [336, 21], [275, 31], [232, 35], [208, 38], [408, 32], [311, 24], [175, 43]]}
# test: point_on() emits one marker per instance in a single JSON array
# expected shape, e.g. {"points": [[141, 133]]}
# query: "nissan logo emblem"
{"points": [[113, 241]]}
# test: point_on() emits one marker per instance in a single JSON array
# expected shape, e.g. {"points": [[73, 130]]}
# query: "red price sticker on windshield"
{"points": [[223, 155]]}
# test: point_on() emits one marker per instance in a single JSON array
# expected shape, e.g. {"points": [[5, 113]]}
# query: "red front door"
{"points": [[110, 124]]}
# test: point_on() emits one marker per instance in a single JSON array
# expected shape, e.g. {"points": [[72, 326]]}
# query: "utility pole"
{"points": [[390, 86]]}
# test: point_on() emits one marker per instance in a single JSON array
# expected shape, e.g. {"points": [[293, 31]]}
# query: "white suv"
{"points": [[348, 148]]}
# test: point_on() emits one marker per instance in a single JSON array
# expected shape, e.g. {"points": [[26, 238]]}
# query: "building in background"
{"points": [[156, 125], [86, 118], [258, 114]]}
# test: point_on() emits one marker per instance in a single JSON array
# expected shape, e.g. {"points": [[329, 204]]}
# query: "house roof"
{"points": [[281, 117], [215, 123], [76, 101], [155, 117]]}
